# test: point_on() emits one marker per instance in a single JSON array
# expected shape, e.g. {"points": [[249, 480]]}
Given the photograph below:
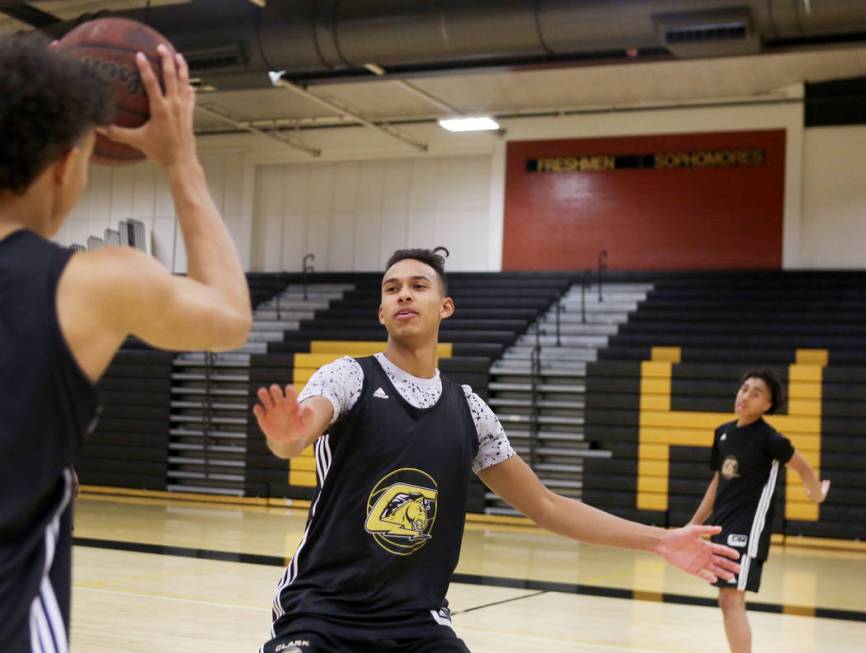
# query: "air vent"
{"points": [[714, 33], [704, 33], [219, 59]]}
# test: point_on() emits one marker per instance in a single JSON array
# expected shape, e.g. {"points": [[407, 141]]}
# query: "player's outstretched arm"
{"points": [[291, 426], [705, 509], [816, 489], [517, 484]]}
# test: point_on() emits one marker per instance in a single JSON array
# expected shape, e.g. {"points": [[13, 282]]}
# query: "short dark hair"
{"points": [[774, 383], [49, 102], [426, 256]]}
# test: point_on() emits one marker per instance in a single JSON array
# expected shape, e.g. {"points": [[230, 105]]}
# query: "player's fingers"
{"points": [[182, 72], [265, 398], [169, 71], [726, 551], [707, 576], [724, 574], [125, 135], [259, 412], [150, 82], [705, 530], [276, 394], [724, 563]]}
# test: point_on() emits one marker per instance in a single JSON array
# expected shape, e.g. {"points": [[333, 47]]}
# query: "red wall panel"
{"points": [[647, 219]]}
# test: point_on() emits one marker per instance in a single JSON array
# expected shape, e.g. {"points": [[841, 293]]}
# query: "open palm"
{"points": [[685, 548], [280, 416]]}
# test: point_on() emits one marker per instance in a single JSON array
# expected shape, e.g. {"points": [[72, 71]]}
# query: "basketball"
{"points": [[109, 45]]}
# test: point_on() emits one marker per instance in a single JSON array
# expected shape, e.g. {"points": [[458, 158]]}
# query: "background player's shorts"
{"points": [[328, 639], [749, 578], [750, 572]]}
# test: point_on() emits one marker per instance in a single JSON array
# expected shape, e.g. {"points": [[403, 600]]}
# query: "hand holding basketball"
{"points": [[168, 136], [280, 416]]}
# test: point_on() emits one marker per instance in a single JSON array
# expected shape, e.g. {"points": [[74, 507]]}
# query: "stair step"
{"points": [[214, 378], [216, 462], [220, 392], [213, 420], [542, 403], [186, 432], [180, 446], [176, 474], [203, 489], [213, 406]]}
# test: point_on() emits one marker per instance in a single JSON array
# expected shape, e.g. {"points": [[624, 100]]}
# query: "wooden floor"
{"points": [[167, 576]]}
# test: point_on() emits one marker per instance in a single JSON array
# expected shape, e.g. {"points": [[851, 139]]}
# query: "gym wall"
{"points": [[821, 208], [667, 202]]}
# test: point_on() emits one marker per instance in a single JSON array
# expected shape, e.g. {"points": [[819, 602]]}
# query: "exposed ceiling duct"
{"points": [[235, 43]]}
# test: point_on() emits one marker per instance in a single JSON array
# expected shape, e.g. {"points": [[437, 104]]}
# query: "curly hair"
{"points": [[426, 256], [49, 103]]}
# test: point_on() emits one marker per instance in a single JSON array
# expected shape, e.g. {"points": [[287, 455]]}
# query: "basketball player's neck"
{"points": [[32, 210], [746, 420], [417, 361]]}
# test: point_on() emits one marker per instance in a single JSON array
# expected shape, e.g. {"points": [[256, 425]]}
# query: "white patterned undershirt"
{"points": [[341, 383]]}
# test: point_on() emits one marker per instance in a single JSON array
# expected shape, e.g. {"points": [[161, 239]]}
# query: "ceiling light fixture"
{"points": [[375, 68], [469, 124]]}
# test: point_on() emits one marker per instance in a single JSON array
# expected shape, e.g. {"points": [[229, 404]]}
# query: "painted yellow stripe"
{"points": [[813, 357], [660, 427], [666, 354], [301, 478], [652, 501], [365, 348]]}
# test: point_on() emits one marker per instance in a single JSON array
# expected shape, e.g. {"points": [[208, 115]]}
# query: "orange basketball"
{"points": [[109, 45]]}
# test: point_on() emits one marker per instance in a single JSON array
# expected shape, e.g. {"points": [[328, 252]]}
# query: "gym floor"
{"points": [[163, 575]]}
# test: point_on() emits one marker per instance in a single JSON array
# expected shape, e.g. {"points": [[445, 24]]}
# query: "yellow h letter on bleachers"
{"points": [[660, 427]]}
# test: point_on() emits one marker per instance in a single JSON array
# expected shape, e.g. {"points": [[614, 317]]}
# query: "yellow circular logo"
{"points": [[401, 510]]}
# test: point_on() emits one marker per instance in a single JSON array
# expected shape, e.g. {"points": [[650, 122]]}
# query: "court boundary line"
{"points": [[539, 586]]}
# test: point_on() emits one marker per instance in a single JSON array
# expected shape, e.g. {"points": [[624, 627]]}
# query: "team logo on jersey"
{"points": [[380, 394], [401, 510], [730, 468]]}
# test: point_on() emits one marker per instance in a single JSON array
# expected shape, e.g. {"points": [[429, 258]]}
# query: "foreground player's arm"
{"points": [[291, 426], [706, 508], [518, 485], [114, 292], [815, 488]]}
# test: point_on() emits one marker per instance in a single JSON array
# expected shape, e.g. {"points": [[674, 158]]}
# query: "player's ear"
{"points": [[381, 315], [447, 309], [63, 168]]}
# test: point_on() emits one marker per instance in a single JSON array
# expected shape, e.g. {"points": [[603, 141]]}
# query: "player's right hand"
{"points": [[168, 137], [282, 419]]}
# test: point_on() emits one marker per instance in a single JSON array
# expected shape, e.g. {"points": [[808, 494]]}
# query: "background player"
{"points": [[384, 532], [63, 316], [745, 458]]}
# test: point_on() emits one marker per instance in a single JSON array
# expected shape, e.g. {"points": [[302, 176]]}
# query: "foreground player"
{"points": [[745, 458], [384, 532], [63, 316]]}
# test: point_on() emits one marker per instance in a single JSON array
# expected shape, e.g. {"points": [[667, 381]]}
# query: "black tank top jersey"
{"points": [[748, 460], [47, 406], [384, 532]]}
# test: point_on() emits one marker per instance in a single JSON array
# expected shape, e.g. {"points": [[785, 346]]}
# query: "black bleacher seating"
{"points": [[725, 323], [129, 447]]}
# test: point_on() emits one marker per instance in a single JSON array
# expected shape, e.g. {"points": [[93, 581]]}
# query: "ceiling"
{"points": [[505, 91]]}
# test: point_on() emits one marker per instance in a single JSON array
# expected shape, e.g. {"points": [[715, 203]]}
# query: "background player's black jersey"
{"points": [[384, 532], [46, 407], [748, 461]]}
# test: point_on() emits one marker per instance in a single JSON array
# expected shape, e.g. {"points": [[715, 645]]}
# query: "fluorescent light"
{"points": [[473, 124], [376, 69]]}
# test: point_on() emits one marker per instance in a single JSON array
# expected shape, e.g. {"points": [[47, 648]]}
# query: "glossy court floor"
{"points": [[157, 575]]}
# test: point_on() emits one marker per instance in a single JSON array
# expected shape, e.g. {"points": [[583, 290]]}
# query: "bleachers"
{"points": [[670, 375]]}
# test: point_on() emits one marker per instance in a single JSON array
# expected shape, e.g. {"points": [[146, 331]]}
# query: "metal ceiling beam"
{"points": [[430, 98], [386, 129], [274, 135], [23, 12]]}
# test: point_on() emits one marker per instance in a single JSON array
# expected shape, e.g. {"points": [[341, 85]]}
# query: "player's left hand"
{"points": [[823, 491], [685, 548]]}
